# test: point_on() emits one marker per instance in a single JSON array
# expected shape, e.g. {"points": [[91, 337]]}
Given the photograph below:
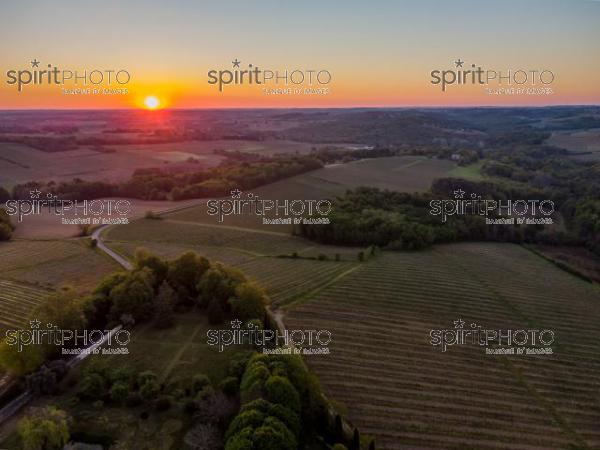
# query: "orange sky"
{"points": [[378, 55]]}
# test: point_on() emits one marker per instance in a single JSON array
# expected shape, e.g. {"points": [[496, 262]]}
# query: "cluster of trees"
{"points": [[155, 184], [282, 406], [402, 221], [153, 291], [6, 226], [45, 429], [572, 184], [124, 386]]}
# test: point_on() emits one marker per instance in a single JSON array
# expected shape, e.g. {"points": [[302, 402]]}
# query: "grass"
{"points": [[174, 354], [470, 172], [409, 394]]}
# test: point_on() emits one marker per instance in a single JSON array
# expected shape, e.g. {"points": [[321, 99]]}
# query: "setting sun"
{"points": [[151, 102]]}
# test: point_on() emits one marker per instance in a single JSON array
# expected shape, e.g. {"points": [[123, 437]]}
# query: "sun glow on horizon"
{"points": [[151, 102]]}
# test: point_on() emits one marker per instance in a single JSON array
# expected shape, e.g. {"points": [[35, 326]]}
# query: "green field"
{"points": [[409, 394], [470, 172]]}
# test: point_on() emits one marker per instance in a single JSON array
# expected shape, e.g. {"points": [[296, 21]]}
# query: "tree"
{"points": [[249, 302], [339, 427], [219, 283], [145, 259], [185, 272], [4, 195], [20, 362], [164, 305], [119, 392], [5, 232], [63, 310], [149, 390], [279, 390], [93, 387], [215, 312], [355, 440], [133, 295], [45, 429], [339, 446]]}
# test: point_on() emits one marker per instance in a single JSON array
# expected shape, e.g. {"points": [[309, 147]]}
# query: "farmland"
{"points": [[255, 253], [582, 145], [16, 302], [406, 174], [53, 263], [31, 270], [411, 395]]}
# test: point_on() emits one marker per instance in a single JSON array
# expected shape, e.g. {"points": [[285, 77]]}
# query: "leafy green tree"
{"points": [[145, 259], [45, 429], [249, 302], [119, 392], [215, 313], [63, 309], [185, 272], [339, 446], [219, 283], [19, 363], [134, 295], [93, 387], [149, 390], [355, 440], [4, 195], [5, 231], [164, 306], [279, 390]]}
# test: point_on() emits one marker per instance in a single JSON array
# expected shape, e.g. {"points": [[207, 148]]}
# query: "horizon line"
{"points": [[253, 108]]}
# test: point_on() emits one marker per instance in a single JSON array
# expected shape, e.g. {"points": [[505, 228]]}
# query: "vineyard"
{"points": [[286, 280], [53, 263], [16, 302], [410, 394], [171, 237]]}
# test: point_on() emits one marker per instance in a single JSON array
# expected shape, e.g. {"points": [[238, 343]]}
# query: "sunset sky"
{"points": [[379, 53]]}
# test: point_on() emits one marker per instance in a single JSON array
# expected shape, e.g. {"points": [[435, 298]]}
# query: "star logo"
{"points": [[459, 193], [35, 323], [236, 63], [35, 63], [236, 323], [236, 193], [35, 194], [459, 323], [459, 63]]}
